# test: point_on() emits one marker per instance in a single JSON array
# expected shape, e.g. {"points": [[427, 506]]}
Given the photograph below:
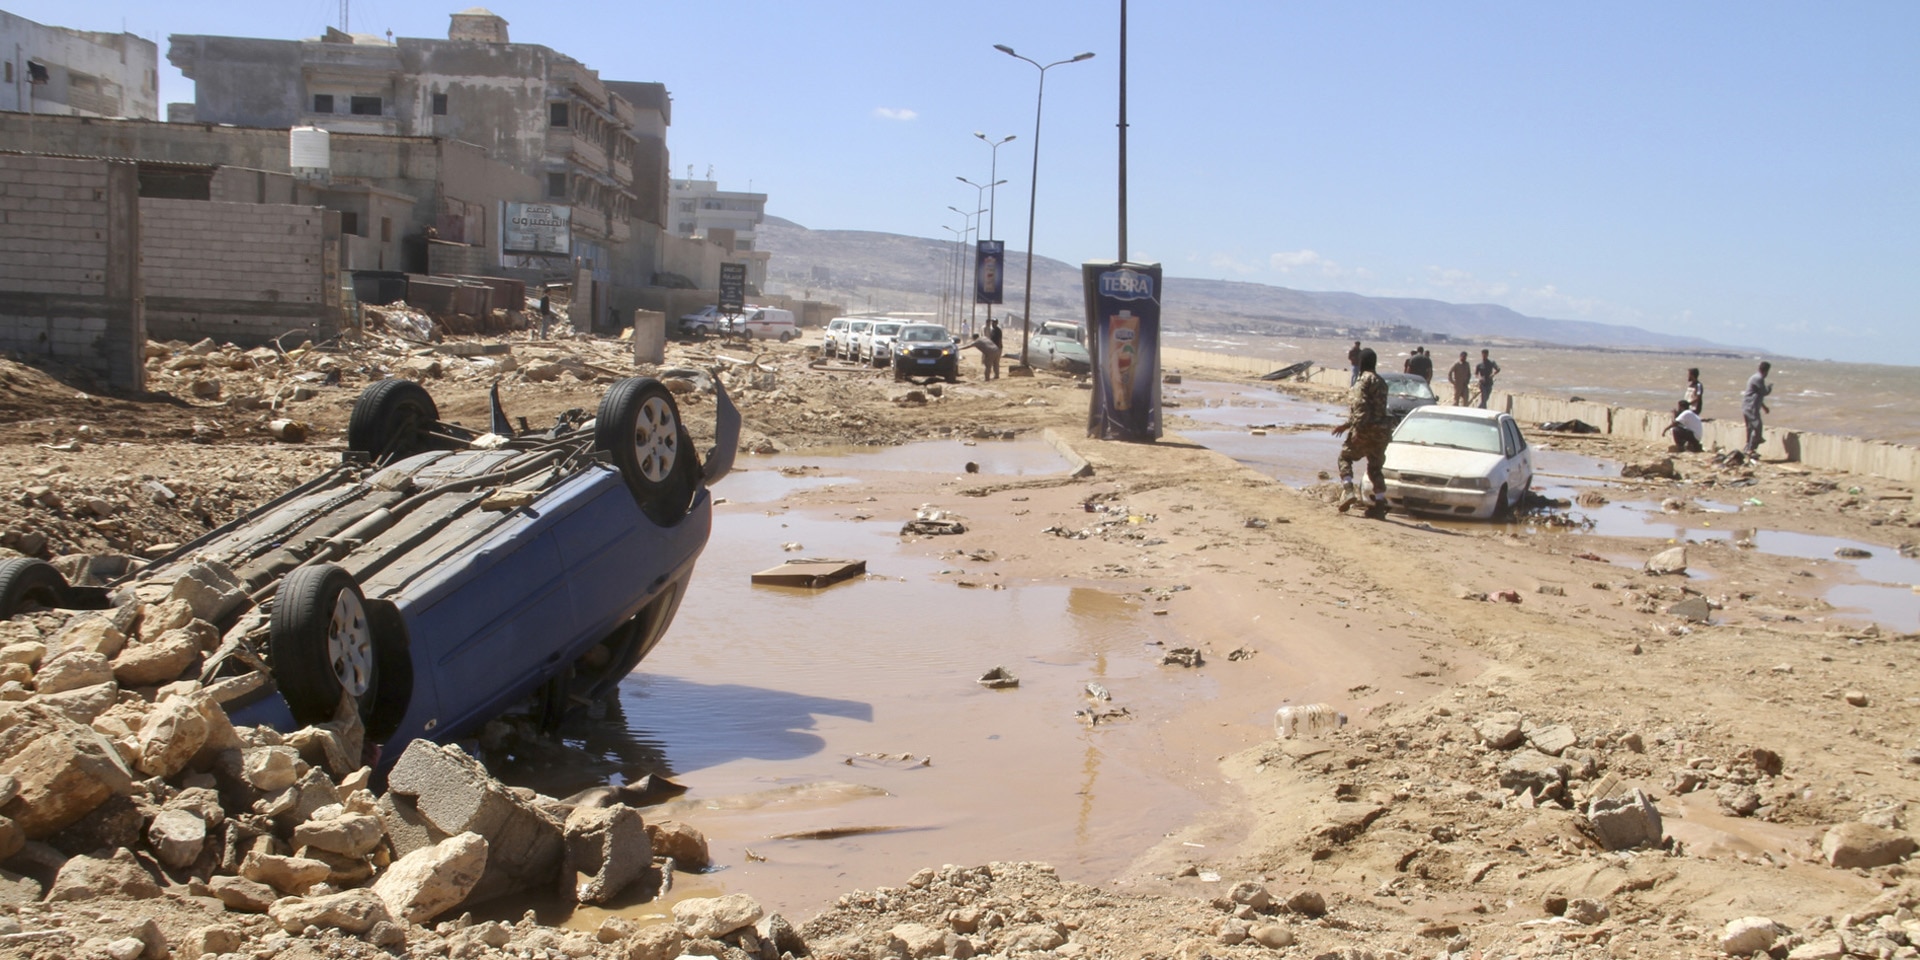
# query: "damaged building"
{"points": [[54, 71]]}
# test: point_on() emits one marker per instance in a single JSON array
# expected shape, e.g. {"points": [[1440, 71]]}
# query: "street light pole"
{"points": [[1033, 189], [949, 284], [960, 271], [978, 189], [993, 197]]}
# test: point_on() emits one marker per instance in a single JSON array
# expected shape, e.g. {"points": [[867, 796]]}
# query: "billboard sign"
{"points": [[541, 229], [1123, 341], [989, 270], [733, 287]]}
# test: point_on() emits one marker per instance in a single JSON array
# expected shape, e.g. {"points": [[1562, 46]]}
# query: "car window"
{"points": [[1409, 388], [923, 334], [1440, 430], [886, 329]]}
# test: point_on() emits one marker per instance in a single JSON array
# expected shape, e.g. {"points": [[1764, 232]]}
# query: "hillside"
{"points": [[904, 273]]}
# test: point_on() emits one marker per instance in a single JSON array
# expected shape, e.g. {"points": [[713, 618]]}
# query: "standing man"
{"points": [[1367, 432], [992, 361], [1353, 364], [1485, 370], [1421, 365], [1461, 376], [1753, 403], [1696, 393]]}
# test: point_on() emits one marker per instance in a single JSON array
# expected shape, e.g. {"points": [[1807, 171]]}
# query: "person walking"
{"points": [[1485, 370], [1753, 403], [1696, 392], [1461, 376], [1367, 431], [1353, 364]]}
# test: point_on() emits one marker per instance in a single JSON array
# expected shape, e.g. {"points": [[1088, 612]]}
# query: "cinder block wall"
{"points": [[240, 272], [68, 276]]}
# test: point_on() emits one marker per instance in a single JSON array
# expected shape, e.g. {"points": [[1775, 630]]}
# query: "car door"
{"points": [[1519, 457]]}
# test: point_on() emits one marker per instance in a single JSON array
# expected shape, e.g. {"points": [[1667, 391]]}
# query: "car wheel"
{"points": [[1501, 508], [953, 378], [640, 425], [392, 417], [25, 581], [785, 336], [322, 644]]}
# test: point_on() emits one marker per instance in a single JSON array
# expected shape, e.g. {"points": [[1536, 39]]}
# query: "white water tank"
{"points": [[309, 153]]}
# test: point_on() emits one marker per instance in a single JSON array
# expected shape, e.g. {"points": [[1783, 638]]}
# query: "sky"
{"points": [[1747, 172]]}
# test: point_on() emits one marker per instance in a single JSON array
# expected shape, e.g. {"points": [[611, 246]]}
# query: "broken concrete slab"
{"points": [[1625, 822], [1850, 845], [608, 844], [455, 794], [433, 879]]}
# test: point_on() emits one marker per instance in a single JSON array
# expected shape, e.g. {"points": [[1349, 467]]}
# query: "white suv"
{"points": [[834, 342], [876, 346]]}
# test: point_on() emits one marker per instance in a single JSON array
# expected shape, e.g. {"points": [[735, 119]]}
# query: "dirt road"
{"points": [[1494, 677]]}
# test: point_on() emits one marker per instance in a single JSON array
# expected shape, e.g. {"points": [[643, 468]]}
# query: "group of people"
{"points": [[1462, 376], [1687, 428]]}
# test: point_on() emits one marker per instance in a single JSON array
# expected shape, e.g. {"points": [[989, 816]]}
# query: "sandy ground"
{"points": [[1753, 733]]}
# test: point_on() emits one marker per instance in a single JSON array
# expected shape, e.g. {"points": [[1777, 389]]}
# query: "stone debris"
{"points": [[1850, 845], [1672, 560]]}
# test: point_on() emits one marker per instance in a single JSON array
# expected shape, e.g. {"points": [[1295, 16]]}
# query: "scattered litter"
{"points": [[1306, 720], [1095, 717], [933, 528], [1098, 692], [1183, 657], [998, 679], [1241, 653]]}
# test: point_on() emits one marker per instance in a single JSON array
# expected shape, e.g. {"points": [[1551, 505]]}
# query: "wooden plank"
{"points": [[811, 572]]}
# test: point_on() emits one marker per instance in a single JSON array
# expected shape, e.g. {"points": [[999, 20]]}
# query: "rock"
{"points": [[1273, 936], [1232, 932], [1586, 912], [71, 670], [709, 918], [125, 948], [1307, 903], [1028, 938], [115, 823], [172, 733], [1670, 561], [1251, 894], [1694, 609], [354, 911], [86, 704], [608, 844], [1530, 771], [271, 769], [177, 837], [349, 835], [12, 839], [1349, 820], [1825, 948], [1739, 799], [64, 769], [1850, 845], [1748, 935], [210, 590], [541, 371], [1553, 740], [1659, 469], [214, 939], [29, 652], [686, 845], [1623, 823], [291, 875], [661, 941], [89, 878], [157, 619], [774, 928], [453, 793], [1856, 698], [94, 634], [917, 940], [159, 660], [239, 893], [432, 880], [1501, 731]]}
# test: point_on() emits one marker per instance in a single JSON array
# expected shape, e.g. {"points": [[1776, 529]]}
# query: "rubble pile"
{"points": [[125, 780]]}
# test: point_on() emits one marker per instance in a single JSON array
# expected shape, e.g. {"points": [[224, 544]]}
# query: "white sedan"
{"points": [[1458, 461]]}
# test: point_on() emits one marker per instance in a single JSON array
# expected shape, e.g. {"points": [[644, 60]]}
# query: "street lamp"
{"points": [[1033, 189], [973, 227], [949, 282], [978, 189], [993, 177]]}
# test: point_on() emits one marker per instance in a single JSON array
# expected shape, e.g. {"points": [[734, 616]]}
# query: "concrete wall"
{"points": [[69, 276], [88, 73], [239, 272], [697, 260]]}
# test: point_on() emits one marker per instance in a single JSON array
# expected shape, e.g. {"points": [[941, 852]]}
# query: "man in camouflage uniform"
{"points": [[1367, 431]]}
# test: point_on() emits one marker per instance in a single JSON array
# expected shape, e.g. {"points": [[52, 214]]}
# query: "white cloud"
{"points": [[1310, 263], [895, 113]]}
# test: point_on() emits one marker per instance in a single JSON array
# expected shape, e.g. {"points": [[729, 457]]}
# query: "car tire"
{"points": [[785, 336], [640, 425], [24, 580], [392, 417], [1502, 510], [322, 644]]}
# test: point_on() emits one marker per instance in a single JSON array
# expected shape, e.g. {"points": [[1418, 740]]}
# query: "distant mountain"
{"points": [[905, 273]]}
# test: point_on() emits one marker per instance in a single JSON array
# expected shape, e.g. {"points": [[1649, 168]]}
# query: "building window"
{"points": [[323, 103], [556, 114], [439, 104], [365, 106], [350, 222], [556, 184], [9, 71], [386, 229]]}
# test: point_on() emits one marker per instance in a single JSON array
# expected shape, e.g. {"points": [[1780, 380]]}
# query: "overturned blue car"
{"points": [[440, 575]]}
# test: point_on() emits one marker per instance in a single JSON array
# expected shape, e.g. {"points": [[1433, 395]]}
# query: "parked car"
{"points": [[876, 345], [766, 323], [832, 339], [849, 345], [1458, 461], [926, 350], [438, 575], [1059, 344], [706, 321], [1405, 394]]}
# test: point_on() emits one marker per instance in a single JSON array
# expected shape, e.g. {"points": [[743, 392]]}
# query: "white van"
{"points": [[768, 323]]}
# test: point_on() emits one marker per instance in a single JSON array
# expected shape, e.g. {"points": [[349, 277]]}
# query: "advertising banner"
{"points": [[733, 287], [989, 270], [1123, 341], [537, 228]]}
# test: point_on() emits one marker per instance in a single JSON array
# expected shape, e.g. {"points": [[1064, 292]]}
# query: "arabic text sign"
{"points": [[539, 228]]}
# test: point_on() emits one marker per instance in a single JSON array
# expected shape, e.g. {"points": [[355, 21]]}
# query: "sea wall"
{"points": [[1892, 461]]}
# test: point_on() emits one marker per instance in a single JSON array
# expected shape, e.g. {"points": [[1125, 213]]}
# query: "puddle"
{"points": [[810, 712], [1234, 405], [769, 479]]}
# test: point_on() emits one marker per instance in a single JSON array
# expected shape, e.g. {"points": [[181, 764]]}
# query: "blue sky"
{"points": [[1745, 172]]}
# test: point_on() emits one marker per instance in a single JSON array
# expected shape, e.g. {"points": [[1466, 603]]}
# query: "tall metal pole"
{"points": [[1123, 131], [1033, 189], [993, 193], [950, 285], [978, 189]]}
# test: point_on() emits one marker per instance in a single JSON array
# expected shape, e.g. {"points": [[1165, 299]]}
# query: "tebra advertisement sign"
{"points": [[540, 229], [1123, 341], [989, 270]]}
